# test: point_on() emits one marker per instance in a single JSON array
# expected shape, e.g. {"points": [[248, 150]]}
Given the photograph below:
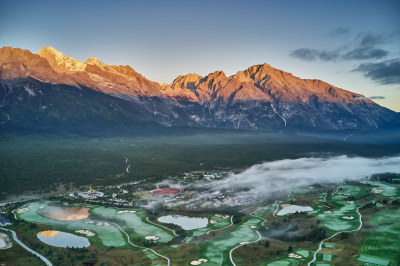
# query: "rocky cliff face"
{"points": [[260, 97]]}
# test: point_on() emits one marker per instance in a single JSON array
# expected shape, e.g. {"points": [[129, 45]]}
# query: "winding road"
{"points": [[147, 219], [129, 241], [44, 259], [332, 236], [221, 228], [127, 168], [244, 243]]}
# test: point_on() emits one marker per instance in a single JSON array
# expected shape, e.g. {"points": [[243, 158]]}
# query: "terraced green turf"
{"points": [[374, 260], [384, 241], [217, 251], [221, 223], [109, 236]]}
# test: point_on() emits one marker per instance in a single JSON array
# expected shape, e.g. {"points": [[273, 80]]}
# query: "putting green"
{"points": [[304, 253], [217, 251]]}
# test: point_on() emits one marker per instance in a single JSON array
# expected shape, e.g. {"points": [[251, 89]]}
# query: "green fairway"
{"points": [[106, 235], [388, 190], [222, 221], [135, 224], [217, 251]]}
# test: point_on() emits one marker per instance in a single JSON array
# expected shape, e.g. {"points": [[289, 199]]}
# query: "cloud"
{"points": [[363, 47], [365, 53], [286, 175], [304, 54], [313, 54], [371, 39], [385, 72], [341, 31], [371, 98]]}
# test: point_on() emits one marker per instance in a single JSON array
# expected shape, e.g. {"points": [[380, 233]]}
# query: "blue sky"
{"points": [[354, 45]]}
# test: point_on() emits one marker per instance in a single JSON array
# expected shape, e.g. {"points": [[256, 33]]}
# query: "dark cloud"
{"points": [[313, 54], [365, 53], [371, 98], [304, 54], [341, 31], [371, 39], [364, 46], [385, 72]]}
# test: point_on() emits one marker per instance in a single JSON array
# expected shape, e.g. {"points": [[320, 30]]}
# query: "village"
{"points": [[187, 191]]}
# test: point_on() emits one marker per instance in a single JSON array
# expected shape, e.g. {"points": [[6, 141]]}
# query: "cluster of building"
{"points": [[4, 221]]}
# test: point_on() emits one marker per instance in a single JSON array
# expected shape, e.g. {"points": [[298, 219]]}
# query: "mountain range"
{"points": [[51, 92]]}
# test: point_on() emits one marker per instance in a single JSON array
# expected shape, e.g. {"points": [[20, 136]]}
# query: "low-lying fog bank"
{"points": [[284, 175]]}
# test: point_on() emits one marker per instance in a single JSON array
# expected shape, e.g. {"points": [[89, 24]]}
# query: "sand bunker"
{"points": [[154, 238], [327, 212], [22, 210], [213, 222], [286, 205], [5, 241], [350, 202], [348, 218], [218, 215], [295, 256], [85, 232], [64, 213], [102, 224], [253, 226], [377, 190], [198, 262], [125, 212], [226, 216]]}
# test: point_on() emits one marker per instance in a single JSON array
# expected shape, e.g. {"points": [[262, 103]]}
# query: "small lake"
{"points": [[62, 239], [294, 209], [186, 222], [65, 213]]}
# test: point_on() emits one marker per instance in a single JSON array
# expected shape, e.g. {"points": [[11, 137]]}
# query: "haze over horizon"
{"points": [[352, 46]]}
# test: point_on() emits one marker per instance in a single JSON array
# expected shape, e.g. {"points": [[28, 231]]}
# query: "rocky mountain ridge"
{"points": [[260, 97]]}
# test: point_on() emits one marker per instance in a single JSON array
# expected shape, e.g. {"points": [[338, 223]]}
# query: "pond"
{"points": [[62, 239], [293, 209], [186, 222], [64, 213]]}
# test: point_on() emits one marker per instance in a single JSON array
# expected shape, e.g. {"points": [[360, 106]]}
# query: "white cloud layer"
{"points": [[284, 175]]}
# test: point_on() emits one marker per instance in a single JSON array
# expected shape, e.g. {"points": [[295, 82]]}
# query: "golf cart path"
{"points": [[332, 236], [14, 234]]}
